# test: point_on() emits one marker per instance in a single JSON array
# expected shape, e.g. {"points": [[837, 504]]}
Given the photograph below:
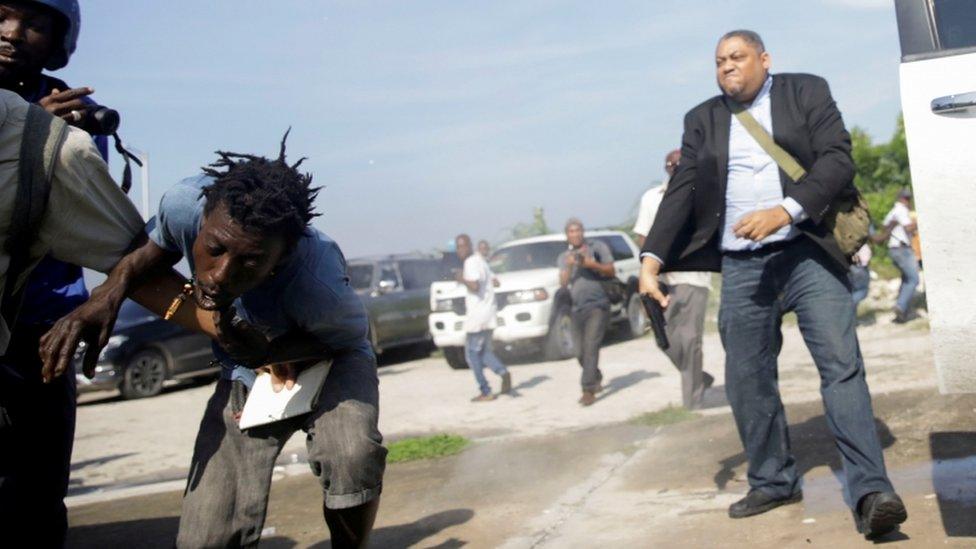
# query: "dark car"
{"points": [[396, 292], [143, 352]]}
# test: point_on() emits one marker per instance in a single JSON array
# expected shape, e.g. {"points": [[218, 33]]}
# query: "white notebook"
{"points": [[265, 406]]}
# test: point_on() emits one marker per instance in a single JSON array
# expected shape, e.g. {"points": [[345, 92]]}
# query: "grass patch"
{"points": [[666, 416], [411, 449]]}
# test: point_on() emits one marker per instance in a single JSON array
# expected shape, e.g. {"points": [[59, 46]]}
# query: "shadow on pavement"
{"points": [[401, 535], [813, 446], [99, 461], [953, 464], [620, 383], [144, 533], [113, 395], [715, 397], [161, 532], [527, 384]]}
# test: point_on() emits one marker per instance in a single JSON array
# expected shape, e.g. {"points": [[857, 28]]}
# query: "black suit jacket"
{"points": [[806, 123]]}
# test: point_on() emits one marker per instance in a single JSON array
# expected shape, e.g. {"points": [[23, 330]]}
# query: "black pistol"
{"points": [[656, 315]]}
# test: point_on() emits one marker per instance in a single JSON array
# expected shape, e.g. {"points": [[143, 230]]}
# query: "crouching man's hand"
{"points": [[92, 323], [283, 376]]}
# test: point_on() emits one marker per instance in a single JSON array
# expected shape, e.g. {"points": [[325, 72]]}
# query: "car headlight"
{"points": [[443, 305], [528, 296]]}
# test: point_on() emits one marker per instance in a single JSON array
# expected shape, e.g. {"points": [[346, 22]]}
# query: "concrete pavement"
{"points": [[125, 443], [623, 485]]}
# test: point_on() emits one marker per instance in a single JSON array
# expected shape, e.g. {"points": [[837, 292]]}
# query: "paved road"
{"points": [[121, 444], [619, 485]]}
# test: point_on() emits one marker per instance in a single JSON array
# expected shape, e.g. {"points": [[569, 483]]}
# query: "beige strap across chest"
{"points": [[783, 159]]}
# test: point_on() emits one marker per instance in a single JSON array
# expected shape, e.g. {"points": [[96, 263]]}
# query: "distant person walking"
{"points": [[479, 320], [685, 316], [900, 228], [583, 268]]}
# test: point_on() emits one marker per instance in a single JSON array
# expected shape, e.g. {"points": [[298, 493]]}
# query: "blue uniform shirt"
{"points": [[309, 292]]}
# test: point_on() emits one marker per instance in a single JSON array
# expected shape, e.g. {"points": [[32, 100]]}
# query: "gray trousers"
{"points": [[589, 327], [685, 318], [226, 496]]}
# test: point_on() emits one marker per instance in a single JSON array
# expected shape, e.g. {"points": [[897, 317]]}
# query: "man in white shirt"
{"points": [[900, 227], [685, 316], [479, 319]]}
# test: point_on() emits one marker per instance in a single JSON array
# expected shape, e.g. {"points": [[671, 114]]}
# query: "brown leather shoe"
{"points": [[587, 399], [483, 398]]}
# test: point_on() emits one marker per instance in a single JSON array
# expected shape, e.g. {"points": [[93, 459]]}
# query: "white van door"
{"points": [[938, 95]]}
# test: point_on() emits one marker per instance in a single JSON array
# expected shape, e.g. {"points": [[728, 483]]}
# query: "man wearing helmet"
{"points": [[38, 35]]}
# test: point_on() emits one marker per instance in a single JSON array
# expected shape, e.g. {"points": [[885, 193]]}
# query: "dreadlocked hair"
{"points": [[262, 195]]}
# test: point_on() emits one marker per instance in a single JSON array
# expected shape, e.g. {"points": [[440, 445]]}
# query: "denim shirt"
{"points": [[309, 292]]}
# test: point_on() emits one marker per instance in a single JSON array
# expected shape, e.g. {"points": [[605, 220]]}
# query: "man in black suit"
{"points": [[729, 208]]}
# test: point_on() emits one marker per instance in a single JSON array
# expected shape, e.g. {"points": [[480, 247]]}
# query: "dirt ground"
{"points": [[544, 472], [624, 485], [123, 447]]}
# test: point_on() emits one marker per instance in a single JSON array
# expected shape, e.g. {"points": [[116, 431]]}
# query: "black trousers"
{"points": [[37, 428]]}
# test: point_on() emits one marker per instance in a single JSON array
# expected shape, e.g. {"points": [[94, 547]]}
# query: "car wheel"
{"points": [[560, 342], [455, 358], [144, 374], [636, 316]]}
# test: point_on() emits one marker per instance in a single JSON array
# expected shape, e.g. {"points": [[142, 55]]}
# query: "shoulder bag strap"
{"points": [[783, 159]]}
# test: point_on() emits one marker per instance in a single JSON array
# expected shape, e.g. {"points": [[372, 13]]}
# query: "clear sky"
{"points": [[423, 119]]}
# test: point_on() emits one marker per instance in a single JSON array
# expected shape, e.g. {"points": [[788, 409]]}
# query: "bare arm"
{"points": [[147, 273]]}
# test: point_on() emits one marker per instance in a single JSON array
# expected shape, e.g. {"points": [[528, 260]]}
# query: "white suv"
{"points": [[938, 97], [533, 311]]}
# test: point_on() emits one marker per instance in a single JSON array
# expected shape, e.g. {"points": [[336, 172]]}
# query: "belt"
{"points": [[766, 249]]}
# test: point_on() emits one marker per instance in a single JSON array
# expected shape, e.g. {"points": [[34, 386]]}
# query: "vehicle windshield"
{"points": [[523, 257], [361, 276]]}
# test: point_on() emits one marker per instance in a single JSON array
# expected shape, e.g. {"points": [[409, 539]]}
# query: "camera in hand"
{"points": [[100, 120]]}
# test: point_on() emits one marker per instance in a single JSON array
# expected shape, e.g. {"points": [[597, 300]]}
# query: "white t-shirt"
{"points": [[649, 205], [480, 305], [899, 236]]}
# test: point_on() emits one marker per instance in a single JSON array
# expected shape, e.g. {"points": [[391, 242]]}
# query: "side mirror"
{"points": [[387, 286]]}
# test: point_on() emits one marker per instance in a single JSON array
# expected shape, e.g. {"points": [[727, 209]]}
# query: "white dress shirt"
{"points": [[753, 179]]}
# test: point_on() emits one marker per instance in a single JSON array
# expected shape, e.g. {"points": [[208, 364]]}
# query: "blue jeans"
{"points": [[904, 258], [478, 352], [860, 284], [757, 289]]}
